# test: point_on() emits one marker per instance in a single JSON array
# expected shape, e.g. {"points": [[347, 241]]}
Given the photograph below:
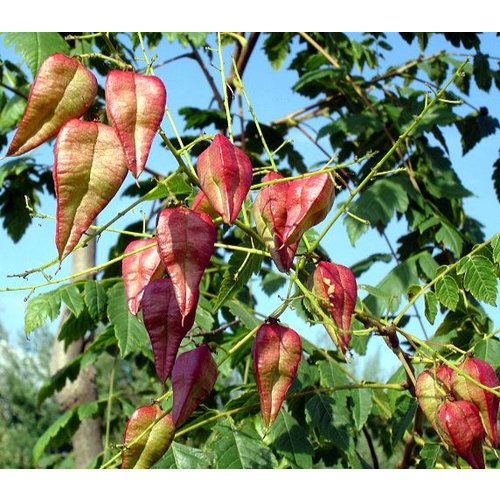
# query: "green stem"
{"points": [[243, 249], [109, 407], [224, 89], [247, 229], [115, 61], [41, 215], [89, 271], [315, 172], [254, 116], [182, 165]]}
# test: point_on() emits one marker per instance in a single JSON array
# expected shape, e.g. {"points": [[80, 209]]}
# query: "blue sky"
{"points": [[268, 91]]}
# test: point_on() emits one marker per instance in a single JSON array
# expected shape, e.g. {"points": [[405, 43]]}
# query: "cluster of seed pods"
{"points": [[162, 275], [463, 414]]}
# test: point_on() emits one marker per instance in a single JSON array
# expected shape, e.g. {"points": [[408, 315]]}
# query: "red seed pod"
{"points": [[63, 89], [486, 402], [432, 390], [335, 286], [225, 174], [270, 214], [149, 448], [135, 105], [138, 270], [89, 168], [461, 422], [164, 323], [308, 202], [186, 243], [276, 354], [193, 378], [202, 204]]}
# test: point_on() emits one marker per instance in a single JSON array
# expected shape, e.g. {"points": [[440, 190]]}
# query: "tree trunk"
{"points": [[87, 441]]}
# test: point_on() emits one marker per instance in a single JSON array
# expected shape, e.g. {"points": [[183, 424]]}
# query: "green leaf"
{"points": [[377, 204], [450, 237], [244, 313], [52, 433], [95, 299], [130, 333], [316, 78], [330, 420], [36, 47], [431, 308], [65, 426], [479, 278], [406, 407], [272, 282], [70, 295], [362, 401], [429, 454], [331, 375], [198, 39], [428, 264], [41, 309], [365, 264], [482, 74], [394, 285], [495, 177], [236, 448], [476, 126], [75, 327], [180, 456], [202, 118], [204, 318], [70, 371], [489, 350], [496, 248], [290, 441], [277, 47], [447, 292], [11, 114], [240, 268]]}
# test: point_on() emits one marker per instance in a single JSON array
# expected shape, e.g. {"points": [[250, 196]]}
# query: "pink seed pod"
{"points": [[89, 168], [135, 105], [193, 378], [486, 402], [432, 390], [164, 323], [335, 287], [308, 202], [225, 174], [63, 89], [149, 448], [186, 243], [461, 422], [270, 213], [138, 270], [276, 354]]}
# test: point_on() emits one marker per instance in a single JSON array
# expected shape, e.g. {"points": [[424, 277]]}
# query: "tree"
{"points": [[380, 139]]}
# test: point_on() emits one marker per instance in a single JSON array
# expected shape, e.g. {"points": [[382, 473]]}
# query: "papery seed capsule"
{"points": [[193, 378], [63, 89], [276, 354], [225, 174], [135, 105], [335, 287], [153, 444], [461, 422], [486, 401]]}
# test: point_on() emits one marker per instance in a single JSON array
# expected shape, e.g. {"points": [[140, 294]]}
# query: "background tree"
{"points": [[382, 129]]}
